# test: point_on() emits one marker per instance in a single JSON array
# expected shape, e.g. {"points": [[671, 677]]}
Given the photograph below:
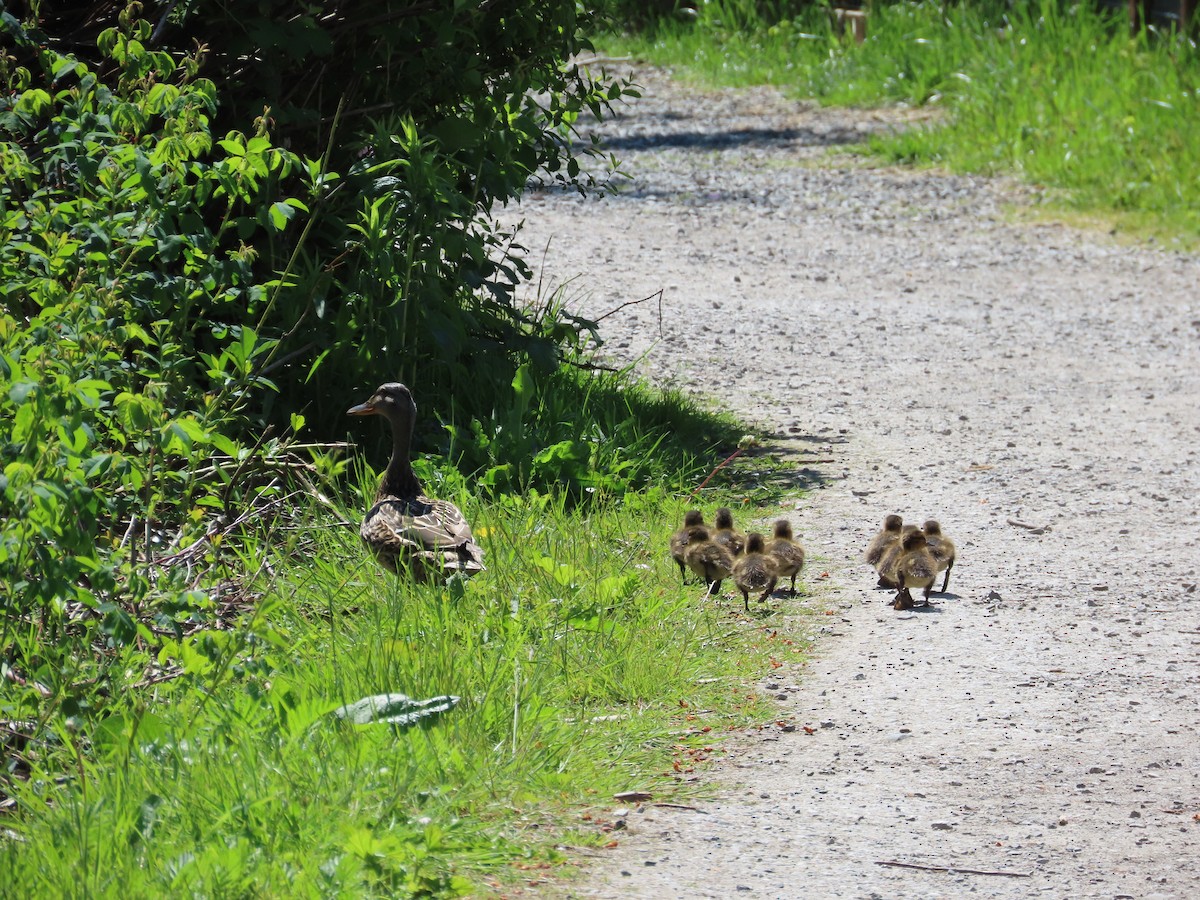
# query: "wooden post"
{"points": [[856, 19]]}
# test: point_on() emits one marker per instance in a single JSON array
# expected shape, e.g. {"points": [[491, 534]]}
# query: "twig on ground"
{"points": [[904, 865], [1033, 529], [744, 444], [680, 806], [658, 294]]}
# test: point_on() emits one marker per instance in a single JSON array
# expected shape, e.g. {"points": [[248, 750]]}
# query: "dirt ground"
{"points": [[1033, 733]]}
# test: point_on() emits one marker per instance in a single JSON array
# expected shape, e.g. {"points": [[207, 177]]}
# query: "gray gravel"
{"points": [[1039, 720]]}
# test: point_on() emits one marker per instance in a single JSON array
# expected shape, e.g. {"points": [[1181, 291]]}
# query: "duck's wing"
{"points": [[432, 531], [789, 555], [878, 547]]}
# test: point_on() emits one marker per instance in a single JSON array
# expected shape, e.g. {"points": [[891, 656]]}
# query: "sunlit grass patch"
{"points": [[582, 667]]}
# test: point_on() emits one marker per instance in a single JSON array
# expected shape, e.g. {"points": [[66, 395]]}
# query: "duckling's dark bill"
{"points": [[363, 409]]}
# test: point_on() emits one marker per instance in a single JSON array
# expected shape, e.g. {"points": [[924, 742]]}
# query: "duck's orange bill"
{"points": [[363, 409]]}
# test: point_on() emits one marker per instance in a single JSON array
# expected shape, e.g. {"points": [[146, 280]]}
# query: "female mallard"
{"points": [[406, 530]]}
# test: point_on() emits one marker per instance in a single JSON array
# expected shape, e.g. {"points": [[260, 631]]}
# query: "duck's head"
{"points": [[913, 540], [755, 543], [893, 523], [783, 529], [932, 528], [692, 518], [724, 518], [393, 400]]}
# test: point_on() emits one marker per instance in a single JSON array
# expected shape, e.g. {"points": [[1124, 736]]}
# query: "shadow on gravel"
{"points": [[776, 471], [761, 138]]}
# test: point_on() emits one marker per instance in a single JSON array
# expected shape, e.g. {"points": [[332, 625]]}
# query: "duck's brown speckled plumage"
{"points": [[708, 559], [754, 570], [404, 528], [915, 567], [787, 553], [942, 548], [891, 556], [888, 535], [679, 540], [725, 534]]}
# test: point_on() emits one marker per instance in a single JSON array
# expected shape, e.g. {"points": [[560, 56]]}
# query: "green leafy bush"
{"points": [[425, 116], [130, 350]]}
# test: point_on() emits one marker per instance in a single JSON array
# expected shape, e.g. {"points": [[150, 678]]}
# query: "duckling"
{"points": [[887, 536], [679, 540], [787, 553], [916, 567], [404, 528], [942, 548], [708, 559], [725, 534], [891, 556], [755, 570]]}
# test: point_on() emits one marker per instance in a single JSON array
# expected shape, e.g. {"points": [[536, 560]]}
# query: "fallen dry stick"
{"points": [[1034, 529], [904, 865]]}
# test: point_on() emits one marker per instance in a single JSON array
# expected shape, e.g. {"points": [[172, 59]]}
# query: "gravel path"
{"points": [[1041, 719]]}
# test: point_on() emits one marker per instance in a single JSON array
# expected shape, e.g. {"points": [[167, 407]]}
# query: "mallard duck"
{"points": [[725, 534], [887, 536], [788, 555], [916, 567], [679, 540], [754, 570], [405, 529], [891, 556], [941, 547], [708, 559]]}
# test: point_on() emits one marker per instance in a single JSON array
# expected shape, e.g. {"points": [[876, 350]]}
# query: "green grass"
{"points": [[1056, 93], [583, 668]]}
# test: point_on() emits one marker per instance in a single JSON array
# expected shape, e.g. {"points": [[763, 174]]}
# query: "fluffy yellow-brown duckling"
{"points": [[916, 567], [754, 570], [679, 540], [405, 529], [942, 548], [887, 536], [708, 559], [891, 556], [787, 553], [725, 534]]}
